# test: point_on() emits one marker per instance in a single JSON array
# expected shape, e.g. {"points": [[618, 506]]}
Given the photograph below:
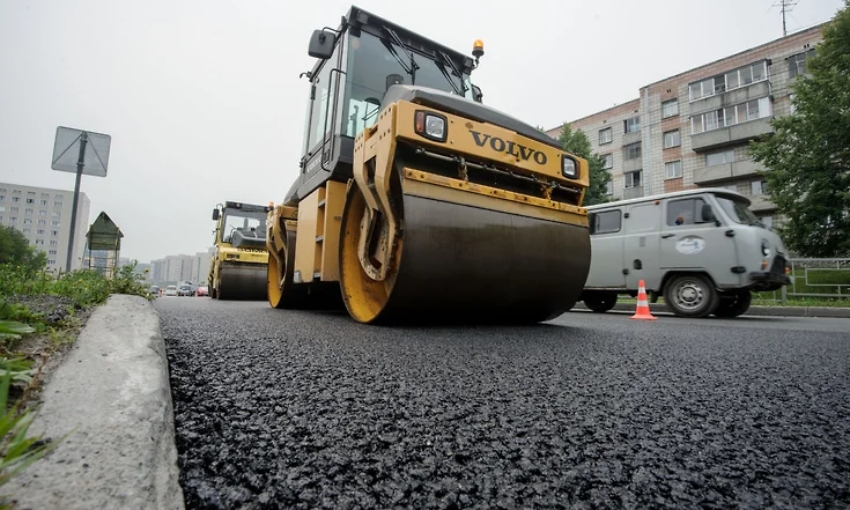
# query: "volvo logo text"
{"points": [[514, 149]]}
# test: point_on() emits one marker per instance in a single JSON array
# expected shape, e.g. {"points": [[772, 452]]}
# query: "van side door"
{"points": [[606, 254], [640, 252], [691, 242]]}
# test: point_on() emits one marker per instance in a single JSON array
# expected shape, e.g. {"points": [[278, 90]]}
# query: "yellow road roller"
{"points": [[239, 266], [415, 201]]}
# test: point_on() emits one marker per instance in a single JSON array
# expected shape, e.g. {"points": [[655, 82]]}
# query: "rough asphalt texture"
{"points": [[111, 397], [292, 409]]}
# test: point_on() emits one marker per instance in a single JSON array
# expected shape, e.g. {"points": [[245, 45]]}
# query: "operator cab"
{"points": [[358, 63]]}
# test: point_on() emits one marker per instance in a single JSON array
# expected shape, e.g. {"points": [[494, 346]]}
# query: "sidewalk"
{"points": [[758, 311]]}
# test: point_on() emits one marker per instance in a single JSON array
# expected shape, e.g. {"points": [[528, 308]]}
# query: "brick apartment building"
{"points": [[691, 130]]}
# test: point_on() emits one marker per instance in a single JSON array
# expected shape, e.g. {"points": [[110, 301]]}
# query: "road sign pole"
{"points": [[81, 159]]}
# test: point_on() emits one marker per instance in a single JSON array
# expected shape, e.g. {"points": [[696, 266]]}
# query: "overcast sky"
{"points": [[204, 104]]}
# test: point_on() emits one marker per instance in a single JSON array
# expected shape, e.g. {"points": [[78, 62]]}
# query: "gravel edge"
{"points": [[112, 397]]}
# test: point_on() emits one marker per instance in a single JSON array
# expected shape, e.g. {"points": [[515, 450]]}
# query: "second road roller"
{"points": [[417, 202], [238, 266]]}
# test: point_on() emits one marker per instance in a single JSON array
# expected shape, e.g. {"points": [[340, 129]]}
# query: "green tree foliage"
{"points": [[807, 158], [15, 249], [576, 142]]}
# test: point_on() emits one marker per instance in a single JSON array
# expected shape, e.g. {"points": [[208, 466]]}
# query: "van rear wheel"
{"points": [[600, 302], [691, 295], [734, 303]]}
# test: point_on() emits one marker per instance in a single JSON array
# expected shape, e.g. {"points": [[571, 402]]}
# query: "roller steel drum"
{"points": [[243, 282], [459, 263]]}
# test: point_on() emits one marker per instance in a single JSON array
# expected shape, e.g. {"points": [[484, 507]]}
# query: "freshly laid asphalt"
{"points": [[311, 410]]}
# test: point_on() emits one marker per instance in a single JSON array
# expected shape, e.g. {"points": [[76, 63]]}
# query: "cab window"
{"points": [[687, 211]]}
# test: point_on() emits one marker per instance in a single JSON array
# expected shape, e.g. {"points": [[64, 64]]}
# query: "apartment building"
{"points": [[44, 217], [182, 268], [692, 129]]}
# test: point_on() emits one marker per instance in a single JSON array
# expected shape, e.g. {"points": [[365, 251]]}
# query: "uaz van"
{"points": [[702, 249]]}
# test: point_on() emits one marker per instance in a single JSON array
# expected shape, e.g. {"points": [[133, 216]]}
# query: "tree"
{"points": [[16, 249], [807, 157], [576, 142]]}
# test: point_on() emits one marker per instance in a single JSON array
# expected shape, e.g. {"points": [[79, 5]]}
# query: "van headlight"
{"points": [[765, 250], [569, 167]]}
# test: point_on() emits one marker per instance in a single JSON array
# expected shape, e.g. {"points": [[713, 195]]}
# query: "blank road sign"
{"points": [[66, 151]]}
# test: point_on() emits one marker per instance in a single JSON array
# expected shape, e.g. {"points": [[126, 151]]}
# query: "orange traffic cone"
{"points": [[642, 311]]}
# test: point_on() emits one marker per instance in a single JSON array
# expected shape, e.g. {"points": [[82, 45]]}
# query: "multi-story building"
{"points": [[44, 217], [692, 129], [182, 268]]}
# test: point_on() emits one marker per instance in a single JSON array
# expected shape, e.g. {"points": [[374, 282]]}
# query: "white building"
{"points": [[44, 217]]}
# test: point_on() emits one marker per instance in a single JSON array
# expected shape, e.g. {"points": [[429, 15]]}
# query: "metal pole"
{"points": [[81, 159]]}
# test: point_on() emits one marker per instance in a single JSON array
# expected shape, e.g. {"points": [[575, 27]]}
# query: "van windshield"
{"points": [[738, 211]]}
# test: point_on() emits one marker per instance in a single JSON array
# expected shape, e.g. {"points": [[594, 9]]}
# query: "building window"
{"points": [[40, 232], [720, 158], [673, 169], [13, 219], [52, 253], [606, 136], [632, 179], [16, 199], [669, 108], [42, 213], [57, 204], [27, 221], [672, 139], [42, 222], [42, 202], [631, 125], [731, 115], [609, 187], [27, 231], [706, 88], [797, 63], [56, 223], [51, 262], [30, 200], [746, 75], [56, 214], [13, 209], [608, 161], [767, 221], [631, 151], [606, 222], [54, 243], [758, 187], [28, 211], [54, 233]]}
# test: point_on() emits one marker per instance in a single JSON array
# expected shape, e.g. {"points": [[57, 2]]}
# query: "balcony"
{"points": [[716, 173], [731, 98], [761, 203], [732, 135], [630, 165], [634, 192]]}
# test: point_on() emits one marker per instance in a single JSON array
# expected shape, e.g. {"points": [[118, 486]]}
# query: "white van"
{"points": [[702, 249]]}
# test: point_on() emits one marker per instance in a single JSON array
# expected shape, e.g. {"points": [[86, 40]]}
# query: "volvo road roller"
{"points": [[238, 267], [415, 201]]}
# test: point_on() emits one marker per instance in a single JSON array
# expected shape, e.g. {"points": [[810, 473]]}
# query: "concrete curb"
{"points": [[754, 311], [112, 394]]}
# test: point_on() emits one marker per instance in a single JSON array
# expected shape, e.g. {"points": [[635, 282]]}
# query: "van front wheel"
{"points": [[691, 295]]}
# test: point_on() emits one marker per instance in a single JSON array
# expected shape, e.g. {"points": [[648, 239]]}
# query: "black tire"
{"points": [[734, 303], [691, 295], [600, 302]]}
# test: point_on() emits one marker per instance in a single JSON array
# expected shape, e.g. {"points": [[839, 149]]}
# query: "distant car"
{"points": [[185, 290], [203, 290], [171, 290]]}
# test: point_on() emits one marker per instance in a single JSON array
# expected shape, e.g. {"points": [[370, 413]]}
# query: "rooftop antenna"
{"points": [[785, 6]]}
